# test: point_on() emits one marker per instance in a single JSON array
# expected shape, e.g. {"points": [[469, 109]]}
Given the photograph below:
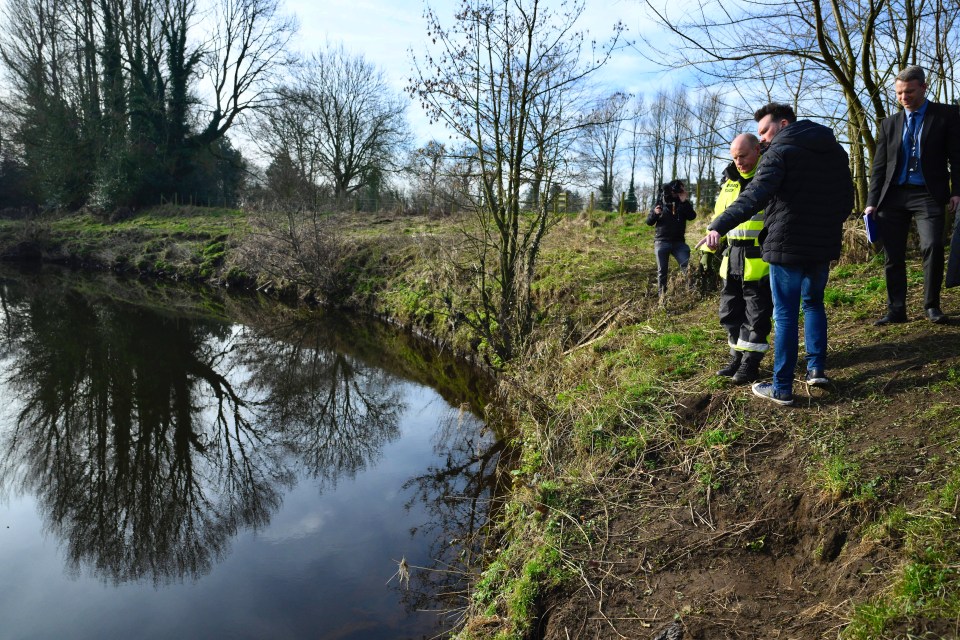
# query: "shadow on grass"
{"points": [[896, 363]]}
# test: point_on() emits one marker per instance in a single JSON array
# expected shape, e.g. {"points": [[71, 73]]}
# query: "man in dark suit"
{"points": [[910, 179]]}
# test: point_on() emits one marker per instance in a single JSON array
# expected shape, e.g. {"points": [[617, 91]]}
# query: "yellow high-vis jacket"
{"points": [[754, 268]]}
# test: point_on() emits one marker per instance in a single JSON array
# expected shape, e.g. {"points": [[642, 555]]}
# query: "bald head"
{"points": [[745, 151]]}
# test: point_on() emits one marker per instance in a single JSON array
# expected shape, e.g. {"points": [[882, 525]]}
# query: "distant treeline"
{"points": [[117, 104]]}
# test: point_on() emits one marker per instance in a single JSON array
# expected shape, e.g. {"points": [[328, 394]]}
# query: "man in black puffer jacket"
{"points": [[803, 183]]}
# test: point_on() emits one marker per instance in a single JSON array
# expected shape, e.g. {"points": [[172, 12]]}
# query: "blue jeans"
{"points": [[664, 249], [791, 284]]}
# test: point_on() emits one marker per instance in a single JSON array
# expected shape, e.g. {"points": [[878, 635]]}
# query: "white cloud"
{"points": [[308, 525]]}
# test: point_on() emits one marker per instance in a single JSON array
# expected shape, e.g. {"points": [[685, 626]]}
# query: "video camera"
{"points": [[670, 190], [669, 196]]}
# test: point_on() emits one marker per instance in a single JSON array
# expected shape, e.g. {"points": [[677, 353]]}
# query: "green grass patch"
{"points": [[836, 297], [680, 354], [925, 593]]}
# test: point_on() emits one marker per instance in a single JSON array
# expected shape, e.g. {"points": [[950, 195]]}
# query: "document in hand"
{"points": [[873, 234]]}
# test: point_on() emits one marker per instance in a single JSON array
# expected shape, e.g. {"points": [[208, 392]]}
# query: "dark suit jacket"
{"points": [[939, 145]]}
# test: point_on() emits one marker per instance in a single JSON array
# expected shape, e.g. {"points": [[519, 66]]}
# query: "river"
{"points": [[177, 463]]}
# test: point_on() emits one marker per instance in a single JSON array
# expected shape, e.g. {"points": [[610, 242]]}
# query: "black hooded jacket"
{"points": [[803, 183]]}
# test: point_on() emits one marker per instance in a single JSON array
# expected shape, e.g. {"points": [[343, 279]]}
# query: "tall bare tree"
{"points": [[656, 134], [483, 79], [679, 129], [555, 128], [707, 116], [429, 168], [820, 53], [600, 140], [635, 126], [339, 121], [285, 135]]}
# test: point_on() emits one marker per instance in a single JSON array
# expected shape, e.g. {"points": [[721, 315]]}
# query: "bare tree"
{"points": [[822, 54], [635, 125], [707, 116], [483, 79], [555, 128], [656, 132], [601, 136], [338, 121], [359, 122], [285, 134], [679, 128], [247, 48], [437, 177]]}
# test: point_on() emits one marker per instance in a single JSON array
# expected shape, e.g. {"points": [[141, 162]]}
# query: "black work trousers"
{"points": [[900, 205], [746, 308]]}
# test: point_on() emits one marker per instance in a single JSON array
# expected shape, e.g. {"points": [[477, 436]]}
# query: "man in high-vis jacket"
{"points": [[804, 187], [746, 305]]}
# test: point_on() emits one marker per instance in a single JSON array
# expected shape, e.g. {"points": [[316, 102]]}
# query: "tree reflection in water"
{"points": [[334, 412], [150, 440], [455, 492], [140, 451], [458, 494]]}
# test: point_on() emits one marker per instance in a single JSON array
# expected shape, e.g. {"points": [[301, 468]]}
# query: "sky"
{"points": [[384, 31]]}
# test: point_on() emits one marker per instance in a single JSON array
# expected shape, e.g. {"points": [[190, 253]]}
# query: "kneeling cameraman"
{"points": [[670, 216]]}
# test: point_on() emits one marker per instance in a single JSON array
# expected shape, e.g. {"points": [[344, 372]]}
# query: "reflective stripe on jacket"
{"points": [[803, 184], [754, 268]]}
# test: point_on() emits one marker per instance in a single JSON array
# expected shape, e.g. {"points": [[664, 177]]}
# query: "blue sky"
{"points": [[384, 31]]}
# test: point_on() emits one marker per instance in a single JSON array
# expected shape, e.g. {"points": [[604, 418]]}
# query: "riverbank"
{"points": [[649, 494]]}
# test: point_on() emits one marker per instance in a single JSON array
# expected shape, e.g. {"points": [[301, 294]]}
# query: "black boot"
{"points": [[733, 365], [749, 369]]}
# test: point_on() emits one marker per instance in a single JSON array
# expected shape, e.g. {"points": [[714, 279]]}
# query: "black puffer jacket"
{"points": [[803, 181]]}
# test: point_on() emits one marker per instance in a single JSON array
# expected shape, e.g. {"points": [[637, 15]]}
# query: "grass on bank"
{"points": [[922, 596], [178, 242], [612, 403]]}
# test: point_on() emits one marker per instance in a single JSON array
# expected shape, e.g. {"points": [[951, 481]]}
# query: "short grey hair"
{"points": [[913, 72]]}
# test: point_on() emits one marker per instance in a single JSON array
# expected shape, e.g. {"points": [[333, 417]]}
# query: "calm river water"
{"points": [[176, 464]]}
